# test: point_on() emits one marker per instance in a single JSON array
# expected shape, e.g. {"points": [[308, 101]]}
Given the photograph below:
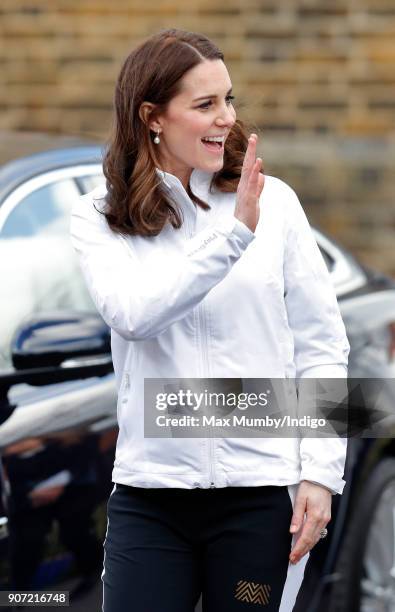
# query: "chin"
{"points": [[212, 166]]}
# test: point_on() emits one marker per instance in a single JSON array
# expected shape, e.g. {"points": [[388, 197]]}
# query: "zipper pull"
{"points": [[127, 381], [126, 386], [212, 485]]}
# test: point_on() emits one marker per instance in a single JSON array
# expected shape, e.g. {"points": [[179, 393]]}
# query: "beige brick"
{"points": [[21, 71]]}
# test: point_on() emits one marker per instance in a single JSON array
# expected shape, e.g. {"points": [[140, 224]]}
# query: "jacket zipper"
{"points": [[204, 369], [206, 372]]}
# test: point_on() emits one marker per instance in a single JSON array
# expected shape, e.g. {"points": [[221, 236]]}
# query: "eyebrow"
{"points": [[211, 96]]}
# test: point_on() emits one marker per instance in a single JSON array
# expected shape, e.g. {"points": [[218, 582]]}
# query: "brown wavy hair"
{"points": [[136, 204]]}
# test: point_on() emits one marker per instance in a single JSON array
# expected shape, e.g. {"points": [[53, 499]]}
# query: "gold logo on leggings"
{"points": [[253, 592]]}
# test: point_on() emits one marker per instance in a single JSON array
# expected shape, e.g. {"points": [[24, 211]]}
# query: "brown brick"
{"points": [[316, 78]]}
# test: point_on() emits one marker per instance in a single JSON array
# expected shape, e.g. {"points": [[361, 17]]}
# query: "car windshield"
{"points": [[38, 267]]}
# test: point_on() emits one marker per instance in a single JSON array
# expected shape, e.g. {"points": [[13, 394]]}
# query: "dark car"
{"points": [[58, 406]]}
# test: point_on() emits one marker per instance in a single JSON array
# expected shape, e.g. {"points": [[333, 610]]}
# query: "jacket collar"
{"points": [[199, 182]]}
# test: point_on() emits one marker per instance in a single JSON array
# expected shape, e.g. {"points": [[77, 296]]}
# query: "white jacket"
{"points": [[214, 300]]}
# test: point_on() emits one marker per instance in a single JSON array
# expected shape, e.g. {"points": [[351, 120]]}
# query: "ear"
{"points": [[147, 116]]}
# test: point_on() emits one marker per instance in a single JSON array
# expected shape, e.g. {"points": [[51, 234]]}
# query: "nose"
{"points": [[226, 117]]}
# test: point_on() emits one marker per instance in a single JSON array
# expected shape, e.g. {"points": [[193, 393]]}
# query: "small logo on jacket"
{"points": [[253, 592]]}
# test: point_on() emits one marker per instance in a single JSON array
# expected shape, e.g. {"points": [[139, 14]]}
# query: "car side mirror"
{"points": [[59, 340]]}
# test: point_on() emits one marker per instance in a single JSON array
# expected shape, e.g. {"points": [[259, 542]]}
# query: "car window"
{"points": [[38, 267], [330, 262], [88, 183]]}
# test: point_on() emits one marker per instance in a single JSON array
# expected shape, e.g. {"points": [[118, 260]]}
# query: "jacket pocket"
{"points": [[126, 386]]}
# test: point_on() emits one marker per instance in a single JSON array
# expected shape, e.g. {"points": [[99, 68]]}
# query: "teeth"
{"points": [[214, 138]]}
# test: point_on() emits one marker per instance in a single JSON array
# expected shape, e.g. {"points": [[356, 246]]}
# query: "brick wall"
{"points": [[316, 77]]}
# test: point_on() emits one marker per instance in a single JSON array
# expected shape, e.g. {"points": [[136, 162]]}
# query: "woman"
{"points": [[205, 268]]}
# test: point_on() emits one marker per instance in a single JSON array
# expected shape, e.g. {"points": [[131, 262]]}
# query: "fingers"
{"points": [[298, 513], [261, 183], [256, 181], [253, 177], [249, 160], [307, 539], [252, 167], [250, 187], [249, 157], [309, 536]]}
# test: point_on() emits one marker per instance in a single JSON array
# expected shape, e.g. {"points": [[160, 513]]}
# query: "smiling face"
{"points": [[202, 109]]}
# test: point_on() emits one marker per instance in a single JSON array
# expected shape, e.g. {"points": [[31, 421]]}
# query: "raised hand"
{"points": [[250, 187]]}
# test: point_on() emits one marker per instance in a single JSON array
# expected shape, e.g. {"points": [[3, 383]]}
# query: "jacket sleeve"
{"points": [[321, 346], [141, 299]]}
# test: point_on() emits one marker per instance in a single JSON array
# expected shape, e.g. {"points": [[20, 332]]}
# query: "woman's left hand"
{"points": [[314, 500]]}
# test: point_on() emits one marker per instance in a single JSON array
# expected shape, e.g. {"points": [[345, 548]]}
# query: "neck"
{"points": [[183, 174]]}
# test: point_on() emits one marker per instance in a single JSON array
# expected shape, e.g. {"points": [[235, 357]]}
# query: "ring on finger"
{"points": [[323, 533]]}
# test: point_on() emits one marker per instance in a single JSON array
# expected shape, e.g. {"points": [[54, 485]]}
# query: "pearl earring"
{"points": [[157, 139]]}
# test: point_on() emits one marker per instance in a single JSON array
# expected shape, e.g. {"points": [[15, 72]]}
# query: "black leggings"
{"points": [[165, 547]]}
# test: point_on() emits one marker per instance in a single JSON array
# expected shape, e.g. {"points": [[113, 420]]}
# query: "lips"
{"points": [[213, 147]]}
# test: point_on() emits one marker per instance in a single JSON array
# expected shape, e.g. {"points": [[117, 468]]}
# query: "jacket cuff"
{"points": [[243, 232], [233, 226], [321, 477], [331, 370]]}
